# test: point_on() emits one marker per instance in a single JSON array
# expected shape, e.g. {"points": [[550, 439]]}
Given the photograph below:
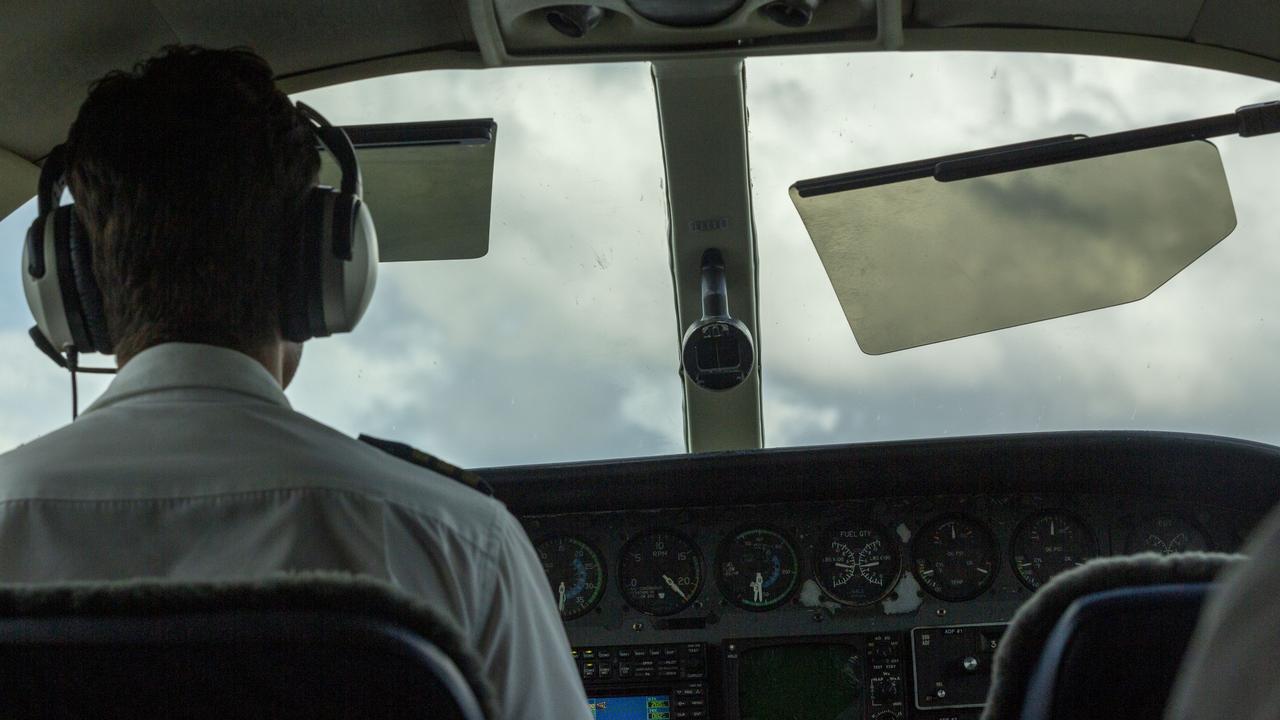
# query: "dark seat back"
{"points": [[1115, 654], [219, 658]]}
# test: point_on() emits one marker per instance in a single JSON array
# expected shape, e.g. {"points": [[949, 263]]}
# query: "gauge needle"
{"points": [[672, 584], [561, 597]]}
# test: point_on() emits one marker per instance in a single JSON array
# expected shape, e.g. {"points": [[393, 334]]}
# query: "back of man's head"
{"points": [[190, 174]]}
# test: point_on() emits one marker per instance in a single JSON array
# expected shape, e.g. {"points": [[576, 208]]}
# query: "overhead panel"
{"points": [[1166, 18], [514, 31], [1251, 25], [302, 35], [17, 182], [51, 53]]}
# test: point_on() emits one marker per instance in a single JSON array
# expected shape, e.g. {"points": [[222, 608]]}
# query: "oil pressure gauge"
{"points": [[856, 563], [1048, 543]]}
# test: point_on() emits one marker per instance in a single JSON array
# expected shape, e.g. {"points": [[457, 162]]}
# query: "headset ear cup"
{"points": [[349, 266], [300, 270], [68, 284], [35, 265], [93, 313]]}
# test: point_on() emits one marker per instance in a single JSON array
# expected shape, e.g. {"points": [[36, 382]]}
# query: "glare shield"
{"points": [[920, 261]]}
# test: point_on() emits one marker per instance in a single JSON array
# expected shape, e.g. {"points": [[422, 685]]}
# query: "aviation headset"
{"points": [[327, 279]]}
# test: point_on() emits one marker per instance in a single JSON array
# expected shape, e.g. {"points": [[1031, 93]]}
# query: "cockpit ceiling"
{"points": [[52, 51]]}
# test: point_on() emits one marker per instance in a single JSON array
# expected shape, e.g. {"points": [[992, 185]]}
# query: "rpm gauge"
{"points": [[660, 572], [1048, 543], [954, 557], [757, 568], [1166, 534], [576, 573], [856, 563]]}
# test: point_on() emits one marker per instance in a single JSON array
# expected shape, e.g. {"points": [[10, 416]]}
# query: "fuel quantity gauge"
{"points": [[856, 563], [757, 569], [576, 573]]}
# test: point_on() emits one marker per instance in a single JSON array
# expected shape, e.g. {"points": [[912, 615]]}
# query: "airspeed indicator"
{"points": [[576, 573]]}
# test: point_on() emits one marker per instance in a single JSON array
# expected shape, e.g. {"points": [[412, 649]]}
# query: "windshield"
{"points": [[561, 344], [1197, 355]]}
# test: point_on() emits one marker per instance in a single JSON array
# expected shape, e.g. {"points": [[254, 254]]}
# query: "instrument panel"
{"points": [[862, 581], [808, 566]]}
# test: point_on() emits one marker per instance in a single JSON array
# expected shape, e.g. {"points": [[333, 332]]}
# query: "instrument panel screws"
{"points": [[941, 612], [637, 626]]}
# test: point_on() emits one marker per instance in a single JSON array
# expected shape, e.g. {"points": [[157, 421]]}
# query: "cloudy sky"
{"points": [[561, 344]]}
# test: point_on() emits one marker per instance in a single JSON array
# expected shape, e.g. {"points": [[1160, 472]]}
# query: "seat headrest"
{"points": [[1024, 641]]}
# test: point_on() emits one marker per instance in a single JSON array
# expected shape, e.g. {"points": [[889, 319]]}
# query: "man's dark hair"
{"points": [[190, 174]]}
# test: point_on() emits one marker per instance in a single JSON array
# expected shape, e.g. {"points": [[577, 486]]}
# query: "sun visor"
{"points": [[428, 185], [917, 260]]}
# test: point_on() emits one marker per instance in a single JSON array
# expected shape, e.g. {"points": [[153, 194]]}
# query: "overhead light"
{"points": [[574, 21], [791, 13]]}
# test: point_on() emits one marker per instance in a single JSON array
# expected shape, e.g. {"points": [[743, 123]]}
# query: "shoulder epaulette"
{"points": [[413, 455]]}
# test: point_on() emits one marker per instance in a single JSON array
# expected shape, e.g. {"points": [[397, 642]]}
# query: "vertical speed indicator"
{"points": [[857, 563], [576, 573]]}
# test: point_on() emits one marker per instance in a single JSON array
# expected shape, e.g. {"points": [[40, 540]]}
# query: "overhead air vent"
{"points": [[791, 13], [575, 21], [685, 13]]}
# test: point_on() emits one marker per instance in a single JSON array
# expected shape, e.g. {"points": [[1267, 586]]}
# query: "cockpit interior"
{"points": [[808, 341]]}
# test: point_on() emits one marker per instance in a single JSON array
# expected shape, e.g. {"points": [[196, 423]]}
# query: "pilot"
{"points": [[189, 176], [1230, 666]]}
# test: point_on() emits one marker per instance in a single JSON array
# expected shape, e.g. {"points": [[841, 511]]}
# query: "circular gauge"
{"points": [[1049, 542], [576, 573], [954, 557], [757, 568], [1166, 534], [856, 563], [660, 572]]}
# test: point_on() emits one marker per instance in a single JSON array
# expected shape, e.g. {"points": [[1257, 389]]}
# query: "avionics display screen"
{"points": [[630, 707], [800, 682]]}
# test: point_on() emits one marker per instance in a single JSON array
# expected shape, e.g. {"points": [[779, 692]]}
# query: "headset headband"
{"points": [[336, 141]]}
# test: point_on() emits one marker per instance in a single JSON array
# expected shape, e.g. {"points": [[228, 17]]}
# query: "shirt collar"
{"points": [[172, 366]]}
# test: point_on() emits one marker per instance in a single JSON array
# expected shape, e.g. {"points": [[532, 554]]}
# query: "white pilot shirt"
{"points": [[193, 466]]}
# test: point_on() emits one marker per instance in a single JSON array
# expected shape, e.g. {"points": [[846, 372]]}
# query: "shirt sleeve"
{"points": [[522, 643]]}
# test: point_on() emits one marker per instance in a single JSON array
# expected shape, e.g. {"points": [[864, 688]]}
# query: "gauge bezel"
{"points": [[604, 568], [1139, 519], [787, 538], [1031, 518], [822, 541], [702, 569], [987, 534]]}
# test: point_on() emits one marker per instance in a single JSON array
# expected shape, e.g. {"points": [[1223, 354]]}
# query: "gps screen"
{"points": [[800, 682], [631, 707]]}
